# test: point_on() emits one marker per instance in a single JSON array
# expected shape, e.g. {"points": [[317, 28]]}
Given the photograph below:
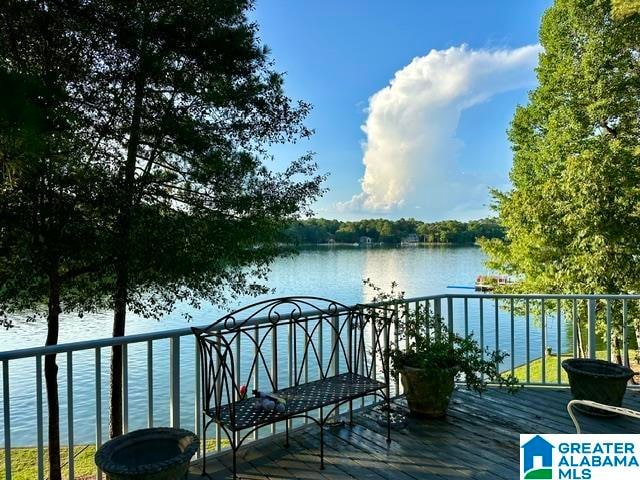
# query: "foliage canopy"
{"points": [[572, 216], [624, 8]]}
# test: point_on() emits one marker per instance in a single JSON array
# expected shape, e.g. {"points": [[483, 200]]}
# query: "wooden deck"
{"points": [[479, 439]]}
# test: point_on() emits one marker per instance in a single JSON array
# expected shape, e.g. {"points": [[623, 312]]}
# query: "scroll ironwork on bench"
{"points": [[334, 355]]}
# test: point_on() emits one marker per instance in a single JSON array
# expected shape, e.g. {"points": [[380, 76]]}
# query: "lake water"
{"points": [[335, 273]]}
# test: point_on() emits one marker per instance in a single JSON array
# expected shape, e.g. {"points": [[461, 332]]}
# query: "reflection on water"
{"points": [[421, 271]]}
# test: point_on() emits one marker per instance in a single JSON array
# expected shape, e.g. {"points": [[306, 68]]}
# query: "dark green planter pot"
{"points": [[598, 381], [148, 454], [428, 395]]}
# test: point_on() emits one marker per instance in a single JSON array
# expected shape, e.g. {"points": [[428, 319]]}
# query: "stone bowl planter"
{"points": [[148, 454], [599, 381]]}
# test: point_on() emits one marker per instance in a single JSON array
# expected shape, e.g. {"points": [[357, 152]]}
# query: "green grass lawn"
{"points": [[24, 462], [551, 368]]}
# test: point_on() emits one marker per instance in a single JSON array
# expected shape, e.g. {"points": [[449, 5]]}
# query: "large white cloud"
{"points": [[411, 145]]}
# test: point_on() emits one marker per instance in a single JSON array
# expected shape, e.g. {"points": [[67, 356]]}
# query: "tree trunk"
{"points": [[51, 377], [637, 329], [122, 261], [616, 348], [119, 320]]}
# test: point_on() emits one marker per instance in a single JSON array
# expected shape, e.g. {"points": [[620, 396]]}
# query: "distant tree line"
{"points": [[320, 230]]}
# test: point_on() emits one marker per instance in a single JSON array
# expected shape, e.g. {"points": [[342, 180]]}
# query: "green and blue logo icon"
{"points": [[537, 459]]}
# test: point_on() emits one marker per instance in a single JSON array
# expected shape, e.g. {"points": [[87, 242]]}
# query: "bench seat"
{"points": [[300, 399]]}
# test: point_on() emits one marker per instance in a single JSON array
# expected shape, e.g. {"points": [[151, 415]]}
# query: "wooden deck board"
{"points": [[479, 439]]}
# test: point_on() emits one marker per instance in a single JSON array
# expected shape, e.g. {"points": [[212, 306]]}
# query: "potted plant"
{"points": [[430, 359]]}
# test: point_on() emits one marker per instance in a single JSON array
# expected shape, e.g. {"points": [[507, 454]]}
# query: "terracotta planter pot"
{"points": [[428, 395]]}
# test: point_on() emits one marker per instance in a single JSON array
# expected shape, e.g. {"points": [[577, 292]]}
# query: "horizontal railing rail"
{"points": [[537, 331], [547, 296]]}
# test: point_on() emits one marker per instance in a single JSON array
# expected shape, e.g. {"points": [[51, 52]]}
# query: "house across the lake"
{"points": [[367, 241], [410, 240]]}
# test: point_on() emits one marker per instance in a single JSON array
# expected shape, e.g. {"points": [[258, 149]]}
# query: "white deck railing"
{"points": [[525, 326]]}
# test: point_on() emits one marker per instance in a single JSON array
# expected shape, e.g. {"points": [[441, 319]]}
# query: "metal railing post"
{"points": [[174, 382], [385, 359], [334, 368], [496, 319], [70, 451], [352, 367], [513, 336], [609, 339], [543, 342], [98, 395], [466, 317], [125, 388], [625, 333], [396, 339], [256, 372], [197, 419], [559, 341], [437, 312], [576, 331], [481, 313], [527, 335], [591, 325], [7, 419], [274, 365], [150, 383], [39, 417]]}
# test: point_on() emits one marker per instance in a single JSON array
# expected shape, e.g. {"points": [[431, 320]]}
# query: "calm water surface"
{"points": [[335, 273]]}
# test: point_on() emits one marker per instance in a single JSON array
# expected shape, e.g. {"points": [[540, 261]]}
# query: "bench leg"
{"points": [[322, 446], [350, 413], [286, 434], [388, 420], [204, 445], [234, 464]]}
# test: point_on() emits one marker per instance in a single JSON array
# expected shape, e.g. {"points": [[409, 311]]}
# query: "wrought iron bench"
{"points": [[333, 354]]}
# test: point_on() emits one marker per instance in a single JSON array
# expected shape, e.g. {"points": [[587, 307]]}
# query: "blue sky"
{"points": [[434, 139]]}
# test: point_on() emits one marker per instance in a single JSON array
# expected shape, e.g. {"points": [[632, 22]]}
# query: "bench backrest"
{"points": [[288, 341]]}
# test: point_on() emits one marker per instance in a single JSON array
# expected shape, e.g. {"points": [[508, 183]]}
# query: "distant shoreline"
{"points": [[382, 244]]}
